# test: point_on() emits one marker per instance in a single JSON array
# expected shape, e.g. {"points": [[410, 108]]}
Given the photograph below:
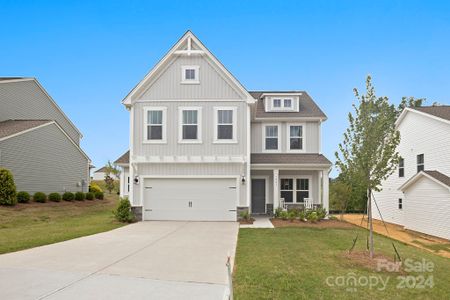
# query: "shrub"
{"points": [[55, 197], [23, 197], [123, 211], [39, 197], [302, 215], [80, 196], [312, 217], [90, 196], [7, 188], [277, 213], [284, 215], [245, 215], [321, 213], [292, 215], [99, 195], [94, 188], [68, 196]]}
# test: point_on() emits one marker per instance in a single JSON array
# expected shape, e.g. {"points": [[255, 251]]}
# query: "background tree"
{"points": [[368, 152], [109, 183], [7, 188], [409, 102], [340, 193], [112, 169]]}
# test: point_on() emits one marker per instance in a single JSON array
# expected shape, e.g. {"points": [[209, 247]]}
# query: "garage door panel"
{"points": [[209, 199]]}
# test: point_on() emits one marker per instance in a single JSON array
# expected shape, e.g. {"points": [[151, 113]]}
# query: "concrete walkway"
{"points": [[146, 260], [399, 233], [259, 222]]}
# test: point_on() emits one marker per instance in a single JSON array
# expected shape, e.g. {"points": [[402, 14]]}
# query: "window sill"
{"points": [[271, 151], [190, 142], [225, 142], [190, 82], [296, 151], [154, 142]]}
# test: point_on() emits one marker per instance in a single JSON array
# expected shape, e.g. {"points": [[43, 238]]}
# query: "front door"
{"points": [[258, 196]]}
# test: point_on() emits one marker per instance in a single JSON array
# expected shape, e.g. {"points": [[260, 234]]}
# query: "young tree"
{"points": [[109, 182], [340, 194], [368, 152], [409, 102], [111, 169]]}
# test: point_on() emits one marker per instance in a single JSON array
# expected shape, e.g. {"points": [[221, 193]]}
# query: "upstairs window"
{"points": [[295, 135], [420, 163], [400, 203], [190, 125], [277, 103], [283, 104], [225, 127], [401, 167], [287, 103], [190, 74], [271, 137], [155, 125]]}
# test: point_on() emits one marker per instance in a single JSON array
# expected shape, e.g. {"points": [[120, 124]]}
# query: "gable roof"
{"points": [[6, 80], [440, 113], [102, 169], [187, 39], [124, 159], [12, 128], [434, 175], [307, 107]]}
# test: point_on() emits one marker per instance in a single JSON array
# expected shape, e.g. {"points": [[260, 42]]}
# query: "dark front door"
{"points": [[258, 196]]}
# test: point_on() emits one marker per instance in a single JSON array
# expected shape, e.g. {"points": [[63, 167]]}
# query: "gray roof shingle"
{"points": [[289, 158], [442, 111], [308, 108], [11, 127], [439, 176], [124, 159]]}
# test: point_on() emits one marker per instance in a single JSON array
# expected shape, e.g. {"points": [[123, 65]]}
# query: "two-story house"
{"points": [[39, 144], [202, 147], [417, 195]]}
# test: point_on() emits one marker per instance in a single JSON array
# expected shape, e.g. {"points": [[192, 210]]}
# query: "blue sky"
{"points": [[90, 54]]}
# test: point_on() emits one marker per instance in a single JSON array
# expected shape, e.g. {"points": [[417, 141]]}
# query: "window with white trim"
{"points": [[401, 167], [276, 103], [400, 203], [155, 120], [287, 103], [282, 104], [190, 74], [190, 125], [271, 137], [420, 163], [295, 137], [225, 124], [294, 190]]}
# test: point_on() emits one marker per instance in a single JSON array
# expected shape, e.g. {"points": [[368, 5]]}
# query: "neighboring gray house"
{"points": [[38, 142], [202, 147]]}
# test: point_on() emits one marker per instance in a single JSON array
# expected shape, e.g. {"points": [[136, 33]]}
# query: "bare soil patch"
{"points": [[319, 224], [379, 263], [246, 222]]}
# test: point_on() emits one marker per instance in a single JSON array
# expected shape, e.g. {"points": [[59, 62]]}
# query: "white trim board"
{"points": [[406, 110], [416, 177]]}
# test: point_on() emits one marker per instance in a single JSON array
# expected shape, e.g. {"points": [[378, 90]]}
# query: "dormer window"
{"points": [[287, 103], [282, 103], [277, 103], [190, 75]]}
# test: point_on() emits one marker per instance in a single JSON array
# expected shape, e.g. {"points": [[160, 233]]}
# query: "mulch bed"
{"points": [[362, 258], [319, 224], [246, 222]]}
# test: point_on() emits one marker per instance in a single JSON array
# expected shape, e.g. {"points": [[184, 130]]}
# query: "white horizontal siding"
{"points": [[427, 208], [419, 135], [44, 160]]}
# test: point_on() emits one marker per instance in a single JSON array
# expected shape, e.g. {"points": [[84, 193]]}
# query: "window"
{"points": [[295, 141], [294, 190], [302, 189], [420, 163], [287, 103], [400, 203], [128, 183], [190, 74], [401, 167], [287, 190], [225, 127], [190, 125], [271, 137], [155, 128], [281, 104]]}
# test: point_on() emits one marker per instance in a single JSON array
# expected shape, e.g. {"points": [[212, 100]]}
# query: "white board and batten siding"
{"points": [[213, 187], [419, 135], [45, 160]]}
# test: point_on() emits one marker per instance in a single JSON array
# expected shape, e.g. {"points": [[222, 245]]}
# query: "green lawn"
{"points": [[35, 224], [294, 263]]}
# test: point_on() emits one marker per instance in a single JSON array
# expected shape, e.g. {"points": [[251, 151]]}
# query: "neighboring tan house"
{"points": [[100, 174], [202, 147], [38, 142], [417, 195]]}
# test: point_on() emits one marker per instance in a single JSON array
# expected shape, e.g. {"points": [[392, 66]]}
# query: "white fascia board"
{"points": [[26, 130], [416, 177], [406, 110]]}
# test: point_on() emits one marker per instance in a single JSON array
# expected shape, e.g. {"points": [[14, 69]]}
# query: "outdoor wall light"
{"points": [[243, 179], [136, 180]]}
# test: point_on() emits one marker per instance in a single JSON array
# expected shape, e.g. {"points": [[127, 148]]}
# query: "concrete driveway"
{"points": [[146, 260]]}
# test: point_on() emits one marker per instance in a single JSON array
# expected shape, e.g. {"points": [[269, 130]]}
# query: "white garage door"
{"points": [[190, 199]]}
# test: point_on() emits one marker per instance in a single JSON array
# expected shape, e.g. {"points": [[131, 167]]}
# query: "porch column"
{"points": [[276, 191], [325, 190]]}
